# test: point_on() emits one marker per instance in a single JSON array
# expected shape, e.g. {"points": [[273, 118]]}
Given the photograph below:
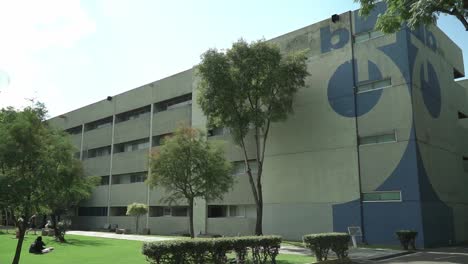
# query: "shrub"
{"points": [[407, 237], [321, 243], [214, 250]]}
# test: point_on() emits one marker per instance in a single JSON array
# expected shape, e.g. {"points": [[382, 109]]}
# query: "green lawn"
{"points": [[91, 250]]}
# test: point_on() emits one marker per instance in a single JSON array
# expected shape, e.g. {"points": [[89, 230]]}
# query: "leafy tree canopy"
{"points": [[415, 12], [188, 166]]}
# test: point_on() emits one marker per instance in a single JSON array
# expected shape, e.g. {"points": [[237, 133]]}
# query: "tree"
{"points": [[190, 167], [67, 185], [247, 88], [34, 160], [415, 12], [137, 210]]}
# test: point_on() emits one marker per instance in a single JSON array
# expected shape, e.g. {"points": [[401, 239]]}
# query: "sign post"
{"points": [[354, 231]]}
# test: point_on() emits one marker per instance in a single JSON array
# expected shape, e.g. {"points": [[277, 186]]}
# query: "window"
{"points": [[138, 177], [462, 115], [216, 211], [132, 145], [133, 114], [92, 211], [99, 123], [104, 180], [118, 211], [166, 211], [173, 103], [217, 131], [384, 196], [465, 164], [374, 85], [98, 152], [361, 37], [238, 167], [383, 138], [74, 130], [159, 139], [117, 179], [156, 211], [180, 211], [174, 211]]}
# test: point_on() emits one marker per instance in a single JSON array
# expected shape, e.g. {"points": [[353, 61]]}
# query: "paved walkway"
{"points": [[121, 236], [356, 254]]}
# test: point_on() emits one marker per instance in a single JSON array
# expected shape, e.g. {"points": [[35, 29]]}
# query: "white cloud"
{"points": [[26, 29]]}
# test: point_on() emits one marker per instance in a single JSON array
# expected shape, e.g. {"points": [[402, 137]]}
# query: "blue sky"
{"points": [[72, 53]]}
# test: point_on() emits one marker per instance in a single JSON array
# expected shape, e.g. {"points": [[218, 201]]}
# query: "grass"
{"points": [[92, 250]]}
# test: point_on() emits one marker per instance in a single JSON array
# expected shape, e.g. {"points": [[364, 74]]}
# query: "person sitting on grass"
{"points": [[38, 247]]}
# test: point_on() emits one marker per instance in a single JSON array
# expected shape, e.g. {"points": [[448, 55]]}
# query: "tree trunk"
{"points": [[259, 203], [136, 225], [192, 232], [19, 245], [57, 233]]}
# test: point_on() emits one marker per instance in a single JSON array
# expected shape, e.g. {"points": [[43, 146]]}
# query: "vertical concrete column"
{"points": [[198, 121], [82, 138], [149, 165], [110, 170]]}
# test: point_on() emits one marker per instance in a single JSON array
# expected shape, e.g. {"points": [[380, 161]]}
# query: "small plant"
{"points": [[321, 244], [407, 238], [137, 210]]}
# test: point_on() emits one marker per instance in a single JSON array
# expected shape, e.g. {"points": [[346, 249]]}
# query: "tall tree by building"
{"points": [[247, 88]]}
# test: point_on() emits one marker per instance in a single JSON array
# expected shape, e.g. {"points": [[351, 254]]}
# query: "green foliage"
{"points": [[263, 249], [415, 12], [247, 88], [136, 209], [321, 243], [407, 238], [190, 167], [38, 173]]}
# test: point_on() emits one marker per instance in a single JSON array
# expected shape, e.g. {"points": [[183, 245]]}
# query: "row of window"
{"points": [[376, 139], [135, 113], [213, 211], [125, 178], [382, 196]]}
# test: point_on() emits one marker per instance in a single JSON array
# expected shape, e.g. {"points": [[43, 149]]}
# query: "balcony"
{"points": [[133, 161], [125, 194], [97, 137], [97, 166], [167, 121], [98, 198], [76, 140], [132, 129]]}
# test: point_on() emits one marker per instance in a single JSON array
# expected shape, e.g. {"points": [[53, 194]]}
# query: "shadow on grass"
{"points": [[83, 243]]}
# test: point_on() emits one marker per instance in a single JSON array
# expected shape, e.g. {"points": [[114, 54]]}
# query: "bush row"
{"points": [[407, 237], [321, 244], [262, 249]]}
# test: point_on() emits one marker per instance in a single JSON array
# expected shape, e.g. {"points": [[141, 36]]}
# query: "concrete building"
{"points": [[378, 140]]}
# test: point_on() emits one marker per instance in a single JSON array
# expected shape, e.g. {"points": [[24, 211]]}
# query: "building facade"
{"points": [[378, 140]]}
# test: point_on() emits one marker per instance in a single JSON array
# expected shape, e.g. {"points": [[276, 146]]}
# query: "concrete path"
{"points": [[360, 255], [121, 236]]}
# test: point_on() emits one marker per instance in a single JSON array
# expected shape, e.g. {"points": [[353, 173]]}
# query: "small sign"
{"points": [[354, 231]]}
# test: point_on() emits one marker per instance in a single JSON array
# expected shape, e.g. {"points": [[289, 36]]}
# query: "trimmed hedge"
{"points": [[321, 244], [407, 237], [197, 251]]}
